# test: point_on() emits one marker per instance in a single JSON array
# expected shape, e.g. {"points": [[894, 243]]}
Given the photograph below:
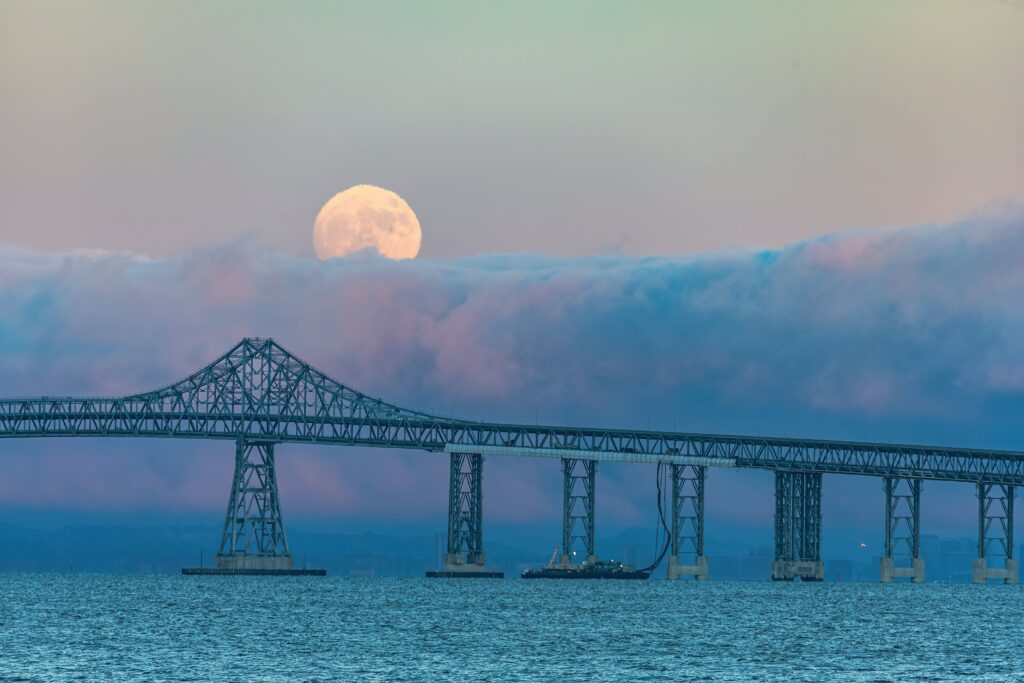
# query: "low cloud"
{"points": [[913, 335]]}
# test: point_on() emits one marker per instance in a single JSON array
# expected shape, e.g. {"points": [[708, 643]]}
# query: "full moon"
{"points": [[366, 217]]}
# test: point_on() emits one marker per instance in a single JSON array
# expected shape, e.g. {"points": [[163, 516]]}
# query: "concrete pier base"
{"points": [[262, 562], [213, 571], [805, 570], [456, 568], [889, 572], [464, 573], [252, 565], [981, 573], [698, 570]]}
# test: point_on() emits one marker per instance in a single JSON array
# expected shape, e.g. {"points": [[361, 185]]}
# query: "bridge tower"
{"points": [[253, 536], [902, 531], [798, 527], [465, 556], [995, 534], [687, 551], [253, 539], [578, 480]]}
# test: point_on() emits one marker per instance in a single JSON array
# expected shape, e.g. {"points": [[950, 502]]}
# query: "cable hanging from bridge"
{"points": [[659, 476]]}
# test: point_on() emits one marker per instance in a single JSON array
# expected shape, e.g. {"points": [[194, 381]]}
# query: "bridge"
{"points": [[259, 395]]}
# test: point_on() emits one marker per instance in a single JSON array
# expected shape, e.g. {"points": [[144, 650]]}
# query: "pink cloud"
{"points": [[917, 332]]}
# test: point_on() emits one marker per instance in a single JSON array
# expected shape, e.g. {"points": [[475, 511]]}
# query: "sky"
{"points": [[785, 219], [568, 128]]}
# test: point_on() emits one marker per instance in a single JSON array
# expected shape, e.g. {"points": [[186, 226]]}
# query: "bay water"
{"points": [[89, 627]]}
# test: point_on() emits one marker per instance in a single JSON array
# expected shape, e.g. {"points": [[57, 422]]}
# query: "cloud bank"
{"points": [[911, 335]]}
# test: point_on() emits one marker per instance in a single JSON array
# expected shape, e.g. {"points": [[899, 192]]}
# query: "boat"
{"points": [[599, 569]]}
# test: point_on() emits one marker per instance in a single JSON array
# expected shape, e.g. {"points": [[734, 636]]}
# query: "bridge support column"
{"points": [[687, 550], [995, 534], [465, 554], [578, 479], [798, 527], [253, 536], [902, 531], [253, 539]]}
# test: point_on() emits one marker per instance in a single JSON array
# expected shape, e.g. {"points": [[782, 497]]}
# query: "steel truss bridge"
{"points": [[259, 395]]}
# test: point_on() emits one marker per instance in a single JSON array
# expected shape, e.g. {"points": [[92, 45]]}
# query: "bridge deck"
{"points": [[259, 391]]}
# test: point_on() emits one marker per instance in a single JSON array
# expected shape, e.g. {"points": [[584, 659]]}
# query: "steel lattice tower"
{"points": [[798, 527], [687, 525], [253, 535], [902, 531], [465, 511], [995, 534], [578, 481]]}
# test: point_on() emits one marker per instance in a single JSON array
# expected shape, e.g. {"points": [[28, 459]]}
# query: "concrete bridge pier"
{"points": [[902, 531], [687, 550], [995, 534], [578, 493], [465, 556], [798, 527]]}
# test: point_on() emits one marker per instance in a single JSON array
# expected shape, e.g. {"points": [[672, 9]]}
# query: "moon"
{"points": [[366, 217]]}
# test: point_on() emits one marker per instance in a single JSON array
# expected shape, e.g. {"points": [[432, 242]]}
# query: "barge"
{"points": [[599, 569]]}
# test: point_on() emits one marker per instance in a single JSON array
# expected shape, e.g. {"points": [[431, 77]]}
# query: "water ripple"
{"points": [[170, 628]]}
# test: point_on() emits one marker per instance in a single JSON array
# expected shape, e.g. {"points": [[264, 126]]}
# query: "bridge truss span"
{"points": [[260, 391], [260, 395]]}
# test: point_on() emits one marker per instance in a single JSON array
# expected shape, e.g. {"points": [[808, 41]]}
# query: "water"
{"points": [[171, 628]]}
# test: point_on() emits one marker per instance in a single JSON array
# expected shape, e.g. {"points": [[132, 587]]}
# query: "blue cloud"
{"points": [[910, 335]]}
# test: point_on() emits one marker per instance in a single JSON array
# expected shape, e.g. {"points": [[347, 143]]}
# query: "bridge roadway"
{"points": [[258, 394]]}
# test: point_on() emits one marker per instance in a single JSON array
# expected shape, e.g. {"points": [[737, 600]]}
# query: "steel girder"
{"points": [[253, 526], [260, 391], [465, 509], [578, 492]]}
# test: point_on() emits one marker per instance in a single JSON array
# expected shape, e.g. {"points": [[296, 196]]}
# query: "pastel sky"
{"points": [[911, 335], [788, 218], [553, 127]]}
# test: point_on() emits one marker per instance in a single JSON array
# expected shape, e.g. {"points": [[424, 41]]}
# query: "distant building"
{"points": [[948, 559], [755, 566]]}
